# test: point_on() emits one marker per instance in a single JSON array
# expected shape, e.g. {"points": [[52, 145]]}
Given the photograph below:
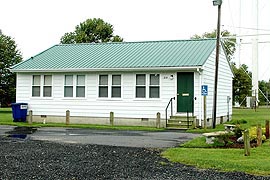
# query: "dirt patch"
{"points": [[22, 130]]}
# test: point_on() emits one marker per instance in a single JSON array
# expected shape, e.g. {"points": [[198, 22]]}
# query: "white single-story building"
{"points": [[135, 80]]}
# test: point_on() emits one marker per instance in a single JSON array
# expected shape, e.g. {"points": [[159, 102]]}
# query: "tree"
{"points": [[264, 86], [242, 84], [91, 30], [9, 56], [229, 43]]}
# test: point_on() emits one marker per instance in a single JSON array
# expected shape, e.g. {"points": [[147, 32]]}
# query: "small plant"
{"points": [[225, 139], [238, 131]]}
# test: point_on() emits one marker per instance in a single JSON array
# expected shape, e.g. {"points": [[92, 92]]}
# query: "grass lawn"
{"points": [[224, 159], [7, 119], [250, 115], [253, 118], [6, 116], [197, 153]]}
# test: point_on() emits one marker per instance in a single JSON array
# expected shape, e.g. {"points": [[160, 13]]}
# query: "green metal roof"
{"points": [[150, 54]]}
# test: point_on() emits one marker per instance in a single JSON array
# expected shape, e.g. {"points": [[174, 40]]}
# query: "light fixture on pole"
{"points": [[216, 3]]}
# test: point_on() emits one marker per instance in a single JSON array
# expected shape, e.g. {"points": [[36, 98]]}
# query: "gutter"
{"points": [[190, 68]]}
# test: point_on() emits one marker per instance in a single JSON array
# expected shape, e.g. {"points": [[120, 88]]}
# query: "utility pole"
{"points": [[255, 86], [216, 3], [239, 34]]}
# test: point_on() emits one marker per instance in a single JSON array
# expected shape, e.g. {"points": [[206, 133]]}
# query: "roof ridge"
{"points": [[133, 42]]}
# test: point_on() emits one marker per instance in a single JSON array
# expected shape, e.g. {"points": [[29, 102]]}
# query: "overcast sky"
{"points": [[39, 24]]}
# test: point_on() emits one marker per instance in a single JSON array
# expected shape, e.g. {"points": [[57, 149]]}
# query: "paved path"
{"points": [[4, 129], [122, 138]]}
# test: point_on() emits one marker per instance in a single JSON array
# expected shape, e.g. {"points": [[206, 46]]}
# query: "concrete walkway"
{"points": [[148, 139]]}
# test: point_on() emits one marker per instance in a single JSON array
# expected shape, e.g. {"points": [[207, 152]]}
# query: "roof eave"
{"points": [[184, 68]]}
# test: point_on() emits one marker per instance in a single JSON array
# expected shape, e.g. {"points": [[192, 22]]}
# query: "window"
{"points": [[116, 86], [147, 86], [47, 86], [140, 86], [36, 86], [109, 86], [103, 86], [154, 86], [42, 86], [80, 88], [68, 89], [74, 86]]}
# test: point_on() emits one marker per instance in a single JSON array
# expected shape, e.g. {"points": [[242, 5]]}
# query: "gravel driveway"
{"points": [[36, 159]]}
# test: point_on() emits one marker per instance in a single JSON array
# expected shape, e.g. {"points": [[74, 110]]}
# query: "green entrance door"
{"points": [[185, 91]]}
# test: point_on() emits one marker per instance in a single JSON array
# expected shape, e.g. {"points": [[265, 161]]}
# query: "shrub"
{"points": [[242, 121], [253, 134]]}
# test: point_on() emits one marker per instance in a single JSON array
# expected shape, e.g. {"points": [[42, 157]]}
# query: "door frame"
{"points": [[187, 91]]}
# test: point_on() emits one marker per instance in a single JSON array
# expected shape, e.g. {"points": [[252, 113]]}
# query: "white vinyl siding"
{"points": [[127, 106], [224, 84]]}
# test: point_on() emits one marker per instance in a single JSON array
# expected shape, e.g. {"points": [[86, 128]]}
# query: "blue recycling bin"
{"points": [[19, 112]]}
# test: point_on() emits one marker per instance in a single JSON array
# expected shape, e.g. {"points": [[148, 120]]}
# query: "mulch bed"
{"points": [[239, 145]]}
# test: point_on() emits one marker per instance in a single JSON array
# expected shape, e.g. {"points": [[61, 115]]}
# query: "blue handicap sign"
{"points": [[204, 90]]}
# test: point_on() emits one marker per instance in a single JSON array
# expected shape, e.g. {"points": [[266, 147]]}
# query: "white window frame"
{"points": [[41, 86], [116, 85], [34, 85], [110, 86], [67, 86], [154, 86], [47, 86], [74, 86], [141, 85], [147, 86], [102, 86], [80, 86]]}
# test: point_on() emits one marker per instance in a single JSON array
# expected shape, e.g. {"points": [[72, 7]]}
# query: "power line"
{"points": [[255, 29], [260, 42]]}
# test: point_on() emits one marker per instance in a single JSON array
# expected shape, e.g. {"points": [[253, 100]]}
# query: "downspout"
{"points": [[201, 101]]}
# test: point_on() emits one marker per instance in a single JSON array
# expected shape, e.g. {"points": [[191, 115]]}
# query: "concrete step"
{"points": [[183, 117], [180, 122], [176, 128], [179, 126]]}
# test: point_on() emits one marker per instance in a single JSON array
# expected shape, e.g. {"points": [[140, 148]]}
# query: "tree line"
{"points": [[97, 30]]}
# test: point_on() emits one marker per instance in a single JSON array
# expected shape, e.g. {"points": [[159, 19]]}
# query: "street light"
{"points": [[216, 3]]}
